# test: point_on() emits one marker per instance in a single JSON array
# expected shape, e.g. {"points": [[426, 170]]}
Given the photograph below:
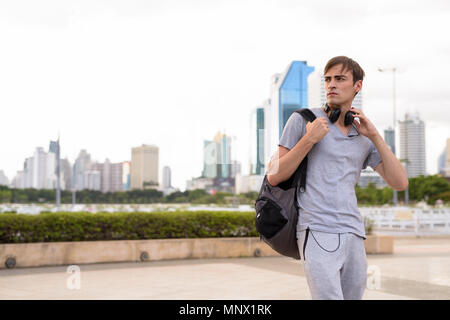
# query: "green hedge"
{"points": [[85, 226]]}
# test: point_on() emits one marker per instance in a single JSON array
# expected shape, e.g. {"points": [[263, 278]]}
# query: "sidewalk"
{"points": [[418, 269]]}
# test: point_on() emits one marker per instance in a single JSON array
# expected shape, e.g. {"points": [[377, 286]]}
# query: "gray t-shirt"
{"points": [[329, 201]]}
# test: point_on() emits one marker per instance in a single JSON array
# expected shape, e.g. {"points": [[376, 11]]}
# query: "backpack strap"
{"points": [[307, 114], [300, 173]]}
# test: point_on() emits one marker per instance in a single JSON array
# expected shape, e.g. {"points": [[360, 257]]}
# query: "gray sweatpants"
{"points": [[335, 264]]}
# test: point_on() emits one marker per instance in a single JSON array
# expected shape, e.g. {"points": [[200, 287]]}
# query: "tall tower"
{"points": [[82, 163], [444, 160], [144, 167], [224, 155], [167, 176], [412, 145], [389, 137], [289, 92]]}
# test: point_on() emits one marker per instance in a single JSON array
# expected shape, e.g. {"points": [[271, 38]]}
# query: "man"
{"points": [[330, 230]]}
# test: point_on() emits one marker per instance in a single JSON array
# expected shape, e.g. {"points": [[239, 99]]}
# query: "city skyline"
{"points": [[99, 72]]}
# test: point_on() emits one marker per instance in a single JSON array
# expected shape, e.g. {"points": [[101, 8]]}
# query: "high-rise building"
{"points": [[389, 138], [28, 169], [66, 174], [40, 168], [223, 155], [256, 146], [92, 180], [412, 145], [289, 92], [3, 179], [210, 154], [116, 174], [104, 170], [444, 160], [82, 163], [144, 167], [38, 171], [217, 157], [111, 176], [260, 166], [235, 168], [167, 176], [126, 175], [18, 181]]}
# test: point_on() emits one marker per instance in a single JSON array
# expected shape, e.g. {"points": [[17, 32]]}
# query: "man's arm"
{"points": [[390, 168], [285, 161]]}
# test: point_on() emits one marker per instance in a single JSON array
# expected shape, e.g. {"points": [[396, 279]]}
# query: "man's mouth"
{"points": [[332, 94]]}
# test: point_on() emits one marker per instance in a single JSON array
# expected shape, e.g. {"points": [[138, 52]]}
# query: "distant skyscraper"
{"points": [[126, 175], [116, 175], [223, 155], [3, 179], [18, 181], [289, 92], [235, 168], [256, 146], [105, 174], [39, 171], [444, 160], [260, 166], [82, 164], [210, 154], [92, 180], [412, 145], [144, 167], [39, 168], [167, 176], [66, 174], [28, 172], [389, 138], [217, 157]]}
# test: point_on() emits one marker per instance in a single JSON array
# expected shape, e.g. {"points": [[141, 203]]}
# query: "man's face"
{"points": [[339, 87]]}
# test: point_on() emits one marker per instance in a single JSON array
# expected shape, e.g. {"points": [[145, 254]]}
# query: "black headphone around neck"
{"points": [[335, 113]]}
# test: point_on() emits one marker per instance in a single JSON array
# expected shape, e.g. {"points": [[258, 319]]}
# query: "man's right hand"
{"points": [[317, 129]]}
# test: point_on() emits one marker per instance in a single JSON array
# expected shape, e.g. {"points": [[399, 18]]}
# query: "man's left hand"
{"points": [[365, 127]]}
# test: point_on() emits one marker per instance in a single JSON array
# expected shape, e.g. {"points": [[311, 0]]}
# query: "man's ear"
{"points": [[358, 86]]}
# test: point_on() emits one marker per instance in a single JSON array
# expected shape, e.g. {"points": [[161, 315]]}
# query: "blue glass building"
{"points": [[293, 91]]}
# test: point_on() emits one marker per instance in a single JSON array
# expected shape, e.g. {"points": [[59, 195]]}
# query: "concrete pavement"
{"points": [[418, 269]]}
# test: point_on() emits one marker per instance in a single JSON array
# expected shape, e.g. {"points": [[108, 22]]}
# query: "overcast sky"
{"points": [[112, 75]]}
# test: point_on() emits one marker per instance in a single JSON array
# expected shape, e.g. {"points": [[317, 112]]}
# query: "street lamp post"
{"points": [[394, 118]]}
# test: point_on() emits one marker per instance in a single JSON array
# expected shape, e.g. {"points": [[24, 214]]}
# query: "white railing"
{"points": [[410, 220]]}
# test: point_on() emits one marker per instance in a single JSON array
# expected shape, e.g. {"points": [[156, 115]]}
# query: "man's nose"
{"points": [[331, 84]]}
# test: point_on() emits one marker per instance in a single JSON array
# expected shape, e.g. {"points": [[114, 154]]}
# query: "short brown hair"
{"points": [[347, 64]]}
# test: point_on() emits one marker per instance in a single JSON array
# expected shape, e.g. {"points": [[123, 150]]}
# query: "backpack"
{"points": [[277, 209]]}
